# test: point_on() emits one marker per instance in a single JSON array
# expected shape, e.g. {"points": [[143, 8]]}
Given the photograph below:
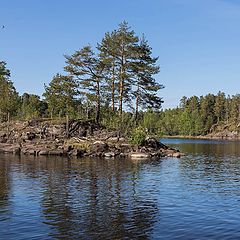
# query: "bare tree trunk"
{"points": [[121, 88], [137, 104], [98, 103], [51, 114], [87, 111], [120, 97], [113, 89], [8, 125], [67, 126], [52, 123]]}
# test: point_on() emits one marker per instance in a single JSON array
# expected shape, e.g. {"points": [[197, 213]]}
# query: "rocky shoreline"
{"points": [[76, 138], [221, 135]]}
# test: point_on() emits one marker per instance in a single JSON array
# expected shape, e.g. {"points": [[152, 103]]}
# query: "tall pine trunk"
{"points": [[98, 102], [120, 96], [137, 104], [113, 88], [121, 87]]}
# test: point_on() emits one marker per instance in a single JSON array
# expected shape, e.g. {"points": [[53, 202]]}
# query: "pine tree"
{"points": [[31, 106], [61, 95], [118, 49], [125, 54], [9, 99], [85, 67], [207, 111], [219, 107], [107, 49], [235, 108], [144, 68], [183, 102], [4, 72]]}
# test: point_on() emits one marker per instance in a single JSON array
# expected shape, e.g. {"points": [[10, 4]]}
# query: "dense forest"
{"points": [[202, 115], [114, 84]]}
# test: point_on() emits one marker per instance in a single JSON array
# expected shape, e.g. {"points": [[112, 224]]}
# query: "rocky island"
{"points": [[79, 138]]}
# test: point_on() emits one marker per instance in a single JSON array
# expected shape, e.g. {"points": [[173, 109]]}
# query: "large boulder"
{"points": [[109, 154], [99, 146], [76, 152], [28, 136], [126, 148], [3, 138], [154, 143], [43, 152]]}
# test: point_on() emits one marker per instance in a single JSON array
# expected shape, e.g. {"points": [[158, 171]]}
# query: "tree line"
{"points": [[15, 106], [202, 115], [113, 83]]}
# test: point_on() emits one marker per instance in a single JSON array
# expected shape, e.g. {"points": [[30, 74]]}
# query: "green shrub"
{"points": [[138, 136]]}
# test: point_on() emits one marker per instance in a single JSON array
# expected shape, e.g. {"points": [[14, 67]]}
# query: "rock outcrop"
{"points": [[78, 139]]}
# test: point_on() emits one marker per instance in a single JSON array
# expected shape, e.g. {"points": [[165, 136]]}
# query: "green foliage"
{"points": [[169, 122], [85, 68], [200, 116], [9, 99], [31, 107], [118, 74], [61, 96], [219, 107], [112, 121], [151, 123], [115, 84], [138, 136]]}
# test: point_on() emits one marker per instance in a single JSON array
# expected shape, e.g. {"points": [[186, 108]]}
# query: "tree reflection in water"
{"points": [[5, 188], [97, 199], [4, 182]]}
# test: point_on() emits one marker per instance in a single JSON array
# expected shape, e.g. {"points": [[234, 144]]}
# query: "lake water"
{"points": [[194, 197]]}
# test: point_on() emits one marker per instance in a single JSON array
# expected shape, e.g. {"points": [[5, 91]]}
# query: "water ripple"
{"points": [[195, 197]]}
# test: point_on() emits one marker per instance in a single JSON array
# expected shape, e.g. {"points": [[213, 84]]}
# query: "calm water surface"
{"points": [[195, 197]]}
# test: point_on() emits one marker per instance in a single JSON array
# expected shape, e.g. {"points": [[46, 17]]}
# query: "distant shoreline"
{"points": [[206, 137]]}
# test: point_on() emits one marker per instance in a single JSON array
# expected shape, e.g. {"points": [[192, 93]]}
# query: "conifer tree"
{"points": [[219, 107], [61, 94], [84, 66], [107, 49], [9, 99], [125, 54], [235, 108], [119, 49], [144, 68], [31, 106]]}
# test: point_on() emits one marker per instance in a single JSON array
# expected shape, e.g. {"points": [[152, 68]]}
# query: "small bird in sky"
{"points": [[3, 26]]}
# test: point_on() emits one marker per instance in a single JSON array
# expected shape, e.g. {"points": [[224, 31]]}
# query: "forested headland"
{"points": [[202, 115], [114, 84]]}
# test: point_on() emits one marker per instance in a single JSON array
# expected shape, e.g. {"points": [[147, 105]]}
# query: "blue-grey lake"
{"points": [[193, 197]]}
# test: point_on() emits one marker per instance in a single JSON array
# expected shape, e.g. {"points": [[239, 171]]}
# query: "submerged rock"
{"points": [[140, 155], [43, 152], [109, 154], [99, 146]]}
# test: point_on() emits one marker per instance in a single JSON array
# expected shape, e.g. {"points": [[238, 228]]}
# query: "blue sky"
{"points": [[197, 41]]}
